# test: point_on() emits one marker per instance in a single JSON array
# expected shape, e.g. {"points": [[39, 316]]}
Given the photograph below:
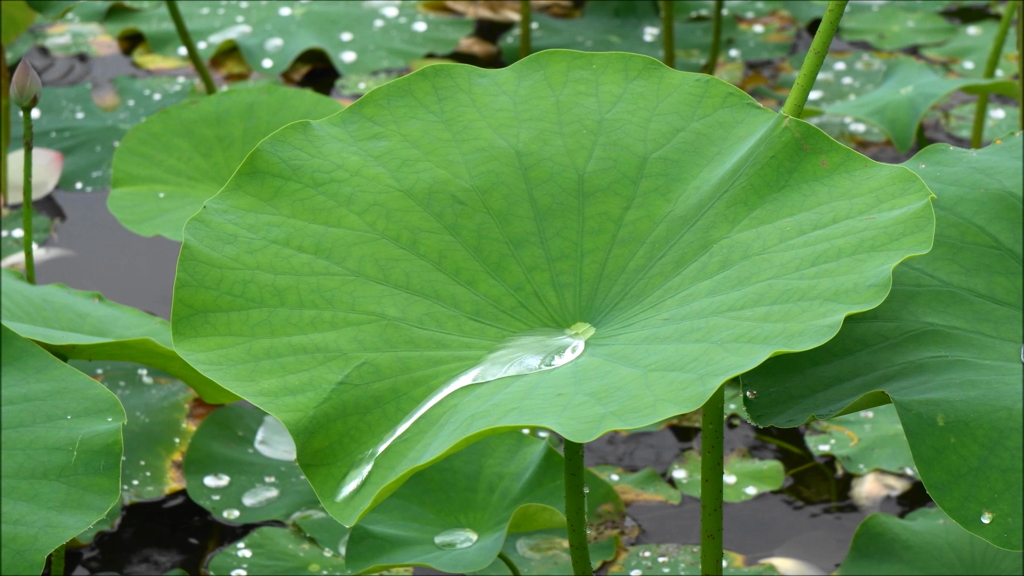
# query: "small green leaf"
{"points": [[86, 326], [967, 53], [643, 486], [743, 477], [891, 27], [61, 446], [679, 559], [864, 441], [276, 552], [925, 542], [546, 552], [16, 18], [162, 171]]}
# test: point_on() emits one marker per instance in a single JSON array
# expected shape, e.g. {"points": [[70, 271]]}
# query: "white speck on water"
{"points": [[231, 513], [239, 19], [455, 539], [266, 63], [815, 94], [348, 56], [214, 496], [986, 517], [651, 33], [347, 36], [729, 479], [419, 26], [284, 11], [216, 480]]}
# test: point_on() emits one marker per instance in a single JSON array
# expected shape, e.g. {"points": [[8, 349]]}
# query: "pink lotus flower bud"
{"points": [[25, 86]]}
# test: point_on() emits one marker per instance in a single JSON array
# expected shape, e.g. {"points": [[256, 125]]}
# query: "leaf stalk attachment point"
{"points": [[716, 40], [794, 105], [990, 70], [193, 53], [509, 563], [576, 509], [712, 438]]}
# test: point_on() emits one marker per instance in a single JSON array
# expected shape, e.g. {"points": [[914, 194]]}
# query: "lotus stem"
{"points": [[668, 40], [576, 509], [794, 105], [712, 437], [26, 202], [57, 561], [509, 563], [524, 28], [6, 128], [716, 40], [978, 130], [193, 53]]}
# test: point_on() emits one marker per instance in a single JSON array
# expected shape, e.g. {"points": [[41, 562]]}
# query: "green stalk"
{"points": [[193, 54], [712, 437], [57, 561], [5, 79], [576, 509], [26, 202], [524, 28], [509, 563], [990, 70], [716, 40], [668, 40], [794, 105]]}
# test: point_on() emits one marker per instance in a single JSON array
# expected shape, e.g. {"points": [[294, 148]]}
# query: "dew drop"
{"points": [[231, 513], [214, 496], [182, 51], [815, 94], [846, 80], [824, 447], [613, 477], [869, 413], [750, 490], [160, 195], [645, 553], [729, 479], [348, 56], [266, 63], [858, 127], [79, 115], [378, 23], [284, 11], [239, 572], [273, 440], [751, 394], [986, 517], [216, 480], [973, 30], [840, 66], [347, 36], [273, 44], [17, 233], [35, 113], [586, 489], [244, 553], [455, 539], [997, 113], [734, 52], [662, 559], [636, 572], [419, 26], [757, 28], [967, 64], [269, 479], [202, 44], [260, 496], [389, 11], [680, 474]]}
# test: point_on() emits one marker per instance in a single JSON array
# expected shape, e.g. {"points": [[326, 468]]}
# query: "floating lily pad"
{"points": [[71, 122], [864, 441], [679, 559], [276, 552], [377, 251], [448, 517], [643, 486], [86, 326], [892, 27], [164, 168], [358, 37], [925, 542], [908, 89], [241, 467], [12, 235], [61, 446], [546, 552], [967, 53], [743, 477], [999, 120], [945, 346], [71, 38], [157, 431]]}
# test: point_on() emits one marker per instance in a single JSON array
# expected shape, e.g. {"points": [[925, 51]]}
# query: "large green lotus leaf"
{"points": [[61, 447], [968, 51], [945, 346], [241, 467], [358, 37], [354, 265], [157, 431], [925, 542], [164, 169], [864, 441], [743, 477], [891, 27], [908, 89], [454, 515], [86, 326], [71, 122], [16, 18]]}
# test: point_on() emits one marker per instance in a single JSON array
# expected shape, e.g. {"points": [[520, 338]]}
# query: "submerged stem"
{"points": [[193, 53], [576, 509], [509, 563], [524, 28], [668, 41], [794, 105], [57, 561], [712, 437], [26, 202], [990, 70], [716, 40]]}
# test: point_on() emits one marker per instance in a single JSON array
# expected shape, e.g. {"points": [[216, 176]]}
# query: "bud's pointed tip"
{"points": [[25, 85]]}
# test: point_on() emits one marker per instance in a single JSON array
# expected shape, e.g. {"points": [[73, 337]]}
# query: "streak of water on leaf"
{"points": [[533, 351]]}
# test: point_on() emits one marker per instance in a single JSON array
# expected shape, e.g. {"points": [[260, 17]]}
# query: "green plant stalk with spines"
{"points": [[716, 39], [668, 41], [794, 105], [509, 563], [26, 195], [990, 70], [193, 53], [712, 437], [576, 509], [524, 28]]}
